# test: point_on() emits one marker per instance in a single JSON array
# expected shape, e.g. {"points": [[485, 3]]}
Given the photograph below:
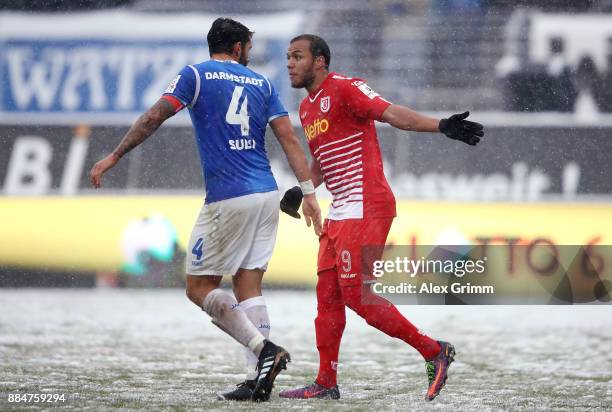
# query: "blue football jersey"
{"points": [[230, 107]]}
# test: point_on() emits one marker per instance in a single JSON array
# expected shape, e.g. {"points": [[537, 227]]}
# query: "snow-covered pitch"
{"points": [[154, 350]]}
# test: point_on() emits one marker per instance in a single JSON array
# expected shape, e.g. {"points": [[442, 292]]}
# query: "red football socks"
{"points": [[377, 312], [329, 326], [385, 317]]}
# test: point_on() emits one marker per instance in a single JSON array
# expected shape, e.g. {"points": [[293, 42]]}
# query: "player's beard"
{"points": [[307, 80], [244, 58]]}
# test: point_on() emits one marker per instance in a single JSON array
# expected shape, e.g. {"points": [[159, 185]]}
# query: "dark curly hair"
{"points": [[224, 33]]}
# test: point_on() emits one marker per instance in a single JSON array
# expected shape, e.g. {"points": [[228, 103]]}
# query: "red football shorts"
{"points": [[351, 246]]}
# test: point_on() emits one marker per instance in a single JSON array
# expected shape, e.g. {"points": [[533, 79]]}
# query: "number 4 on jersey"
{"points": [[233, 116], [197, 249]]}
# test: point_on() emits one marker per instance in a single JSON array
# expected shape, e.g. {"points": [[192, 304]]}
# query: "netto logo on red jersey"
{"points": [[316, 128]]}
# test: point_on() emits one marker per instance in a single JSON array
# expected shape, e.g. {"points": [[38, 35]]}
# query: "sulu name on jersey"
{"points": [[242, 144]]}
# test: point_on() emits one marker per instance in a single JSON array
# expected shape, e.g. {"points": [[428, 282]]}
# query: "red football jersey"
{"points": [[338, 120]]}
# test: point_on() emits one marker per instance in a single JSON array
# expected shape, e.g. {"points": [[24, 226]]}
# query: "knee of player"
{"points": [[331, 321], [191, 295], [357, 307], [351, 295], [354, 303], [323, 307], [208, 299]]}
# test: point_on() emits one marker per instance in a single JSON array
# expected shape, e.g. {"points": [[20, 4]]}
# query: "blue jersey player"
{"points": [[230, 107]]}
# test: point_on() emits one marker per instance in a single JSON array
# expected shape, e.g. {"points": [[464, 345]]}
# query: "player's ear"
{"points": [[237, 49], [319, 62]]}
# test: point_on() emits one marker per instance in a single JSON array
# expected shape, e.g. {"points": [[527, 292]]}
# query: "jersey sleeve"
{"points": [[275, 106], [185, 86], [362, 101]]}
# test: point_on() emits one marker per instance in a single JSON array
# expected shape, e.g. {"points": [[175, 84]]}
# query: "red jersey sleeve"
{"points": [[362, 101]]}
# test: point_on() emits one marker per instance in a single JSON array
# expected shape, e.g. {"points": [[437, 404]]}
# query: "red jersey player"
{"points": [[338, 119]]}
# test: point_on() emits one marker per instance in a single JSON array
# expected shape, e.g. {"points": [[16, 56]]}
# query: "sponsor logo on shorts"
{"points": [[348, 275], [197, 262]]}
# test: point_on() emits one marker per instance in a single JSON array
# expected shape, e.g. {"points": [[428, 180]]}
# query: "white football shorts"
{"points": [[232, 234]]}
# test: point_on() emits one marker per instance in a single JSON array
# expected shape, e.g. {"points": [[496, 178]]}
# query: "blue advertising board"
{"points": [[79, 64]]}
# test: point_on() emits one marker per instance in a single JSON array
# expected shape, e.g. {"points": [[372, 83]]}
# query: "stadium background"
{"points": [[75, 74]]}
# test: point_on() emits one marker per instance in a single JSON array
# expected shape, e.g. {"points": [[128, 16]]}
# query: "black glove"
{"points": [[456, 127], [291, 201]]}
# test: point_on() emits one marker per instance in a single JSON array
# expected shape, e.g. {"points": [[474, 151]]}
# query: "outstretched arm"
{"points": [[404, 118], [455, 127], [144, 127]]}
